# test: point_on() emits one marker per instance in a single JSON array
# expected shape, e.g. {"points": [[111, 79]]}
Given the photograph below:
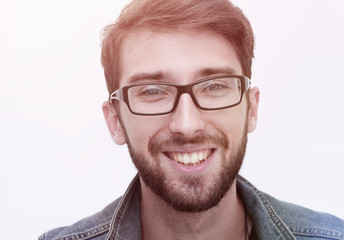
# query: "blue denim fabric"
{"points": [[272, 219]]}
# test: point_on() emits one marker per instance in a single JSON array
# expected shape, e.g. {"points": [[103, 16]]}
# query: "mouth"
{"points": [[190, 159]]}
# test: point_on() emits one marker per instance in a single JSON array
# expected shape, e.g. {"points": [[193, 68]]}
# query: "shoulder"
{"points": [[306, 223], [93, 227], [275, 219]]}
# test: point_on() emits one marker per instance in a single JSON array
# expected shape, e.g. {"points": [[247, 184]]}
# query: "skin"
{"points": [[181, 56]]}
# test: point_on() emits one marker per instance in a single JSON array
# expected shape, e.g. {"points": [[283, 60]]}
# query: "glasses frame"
{"points": [[121, 94]]}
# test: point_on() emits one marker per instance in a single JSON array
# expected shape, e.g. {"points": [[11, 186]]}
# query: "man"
{"points": [[178, 74]]}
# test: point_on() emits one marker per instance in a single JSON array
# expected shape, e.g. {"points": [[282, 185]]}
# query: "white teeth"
{"points": [[200, 155], [186, 158], [179, 158], [192, 159]]}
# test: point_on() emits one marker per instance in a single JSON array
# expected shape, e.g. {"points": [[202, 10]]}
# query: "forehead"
{"points": [[180, 54]]}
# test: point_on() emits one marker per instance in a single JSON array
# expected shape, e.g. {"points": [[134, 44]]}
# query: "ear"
{"points": [[113, 123], [253, 110]]}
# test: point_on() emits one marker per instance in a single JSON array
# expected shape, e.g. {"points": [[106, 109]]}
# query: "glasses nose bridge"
{"points": [[186, 89]]}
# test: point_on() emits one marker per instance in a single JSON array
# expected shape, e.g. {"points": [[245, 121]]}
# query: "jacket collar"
{"points": [[267, 224], [126, 220]]}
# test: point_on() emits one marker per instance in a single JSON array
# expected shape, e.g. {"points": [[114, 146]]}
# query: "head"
{"points": [[189, 157], [219, 16]]}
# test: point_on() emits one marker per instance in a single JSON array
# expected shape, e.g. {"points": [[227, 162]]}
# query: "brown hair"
{"points": [[220, 16]]}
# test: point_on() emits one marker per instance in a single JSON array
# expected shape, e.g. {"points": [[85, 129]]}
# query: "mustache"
{"points": [[156, 145]]}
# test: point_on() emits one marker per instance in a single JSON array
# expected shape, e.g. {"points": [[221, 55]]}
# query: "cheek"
{"points": [[232, 124], [141, 129]]}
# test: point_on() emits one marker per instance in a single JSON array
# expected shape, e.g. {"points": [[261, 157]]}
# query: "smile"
{"points": [[190, 159]]}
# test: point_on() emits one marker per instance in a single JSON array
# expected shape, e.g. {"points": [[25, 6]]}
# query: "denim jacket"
{"points": [[272, 219]]}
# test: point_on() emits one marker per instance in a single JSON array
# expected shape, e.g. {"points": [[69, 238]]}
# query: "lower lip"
{"points": [[191, 169]]}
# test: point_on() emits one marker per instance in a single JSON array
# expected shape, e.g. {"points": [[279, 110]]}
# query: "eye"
{"points": [[152, 92], [217, 88], [214, 87]]}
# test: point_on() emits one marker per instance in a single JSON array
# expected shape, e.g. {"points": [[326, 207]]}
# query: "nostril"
{"points": [[186, 125]]}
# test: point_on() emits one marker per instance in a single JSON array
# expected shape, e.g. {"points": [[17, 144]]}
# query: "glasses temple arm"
{"points": [[117, 95]]}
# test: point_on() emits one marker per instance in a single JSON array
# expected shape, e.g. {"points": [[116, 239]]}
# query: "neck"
{"points": [[161, 221]]}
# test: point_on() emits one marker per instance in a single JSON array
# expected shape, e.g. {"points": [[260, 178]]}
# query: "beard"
{"points": [[190, 193]]}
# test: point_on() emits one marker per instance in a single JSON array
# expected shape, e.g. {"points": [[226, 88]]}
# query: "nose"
{"points": [[187, 118]]}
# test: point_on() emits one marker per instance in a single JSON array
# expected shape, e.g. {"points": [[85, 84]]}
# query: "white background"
{"points": [[58, 162]]}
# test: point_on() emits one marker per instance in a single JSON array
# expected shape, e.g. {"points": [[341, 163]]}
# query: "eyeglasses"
{"points": [[155, 98]]}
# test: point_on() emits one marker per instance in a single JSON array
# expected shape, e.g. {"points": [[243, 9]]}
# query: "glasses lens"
{"points": [[218, 93], [151, 99]]}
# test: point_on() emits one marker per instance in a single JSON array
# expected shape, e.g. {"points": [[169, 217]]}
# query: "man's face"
{"points": [[162, 146]]}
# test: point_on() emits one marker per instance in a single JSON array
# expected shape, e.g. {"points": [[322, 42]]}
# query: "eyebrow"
{"points": [[205, 72], [158, 76], [163, 75]]}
